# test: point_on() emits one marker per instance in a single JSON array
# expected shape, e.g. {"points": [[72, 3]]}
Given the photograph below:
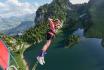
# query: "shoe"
{"points": [[41, 60]]}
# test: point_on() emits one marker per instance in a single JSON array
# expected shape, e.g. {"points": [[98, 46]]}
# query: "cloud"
{"points": [[78, 1], [2, 5], [16, 8], [10, 8]]}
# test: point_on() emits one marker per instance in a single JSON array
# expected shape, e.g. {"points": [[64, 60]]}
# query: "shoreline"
{"points": [[22, 56]]}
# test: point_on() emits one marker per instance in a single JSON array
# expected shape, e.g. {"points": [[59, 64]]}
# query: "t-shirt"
{"points": [[52, 26]]}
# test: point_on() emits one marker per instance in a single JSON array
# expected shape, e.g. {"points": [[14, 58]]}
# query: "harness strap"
{"points": [[51, 32]]}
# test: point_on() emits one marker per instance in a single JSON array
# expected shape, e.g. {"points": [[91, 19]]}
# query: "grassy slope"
{"points": [[19, 60]]}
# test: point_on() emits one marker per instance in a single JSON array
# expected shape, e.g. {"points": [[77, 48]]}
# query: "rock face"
{"points": [[97, 6], [74, 16], [57, 8], [62, 9], [96, 9]]}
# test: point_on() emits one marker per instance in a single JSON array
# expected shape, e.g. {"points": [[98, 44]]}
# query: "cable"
{"points": [[12, 66]]}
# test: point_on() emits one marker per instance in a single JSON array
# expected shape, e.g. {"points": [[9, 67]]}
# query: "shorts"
{"points": [[49, 36]]}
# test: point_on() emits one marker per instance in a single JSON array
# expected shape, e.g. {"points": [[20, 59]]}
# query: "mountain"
{"points": [[7, 23], [25, 25], [96, 9], [88, 16], [62, 9], [57, 8]]}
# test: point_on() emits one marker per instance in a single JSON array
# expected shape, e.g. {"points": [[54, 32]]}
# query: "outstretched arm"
{"points": [[51, 24]]}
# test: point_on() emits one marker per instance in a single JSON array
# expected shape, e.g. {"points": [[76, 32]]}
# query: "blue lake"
{"points": [[88, 54]]}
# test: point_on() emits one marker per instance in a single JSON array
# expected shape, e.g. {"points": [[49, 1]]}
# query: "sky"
{"points": [[10, 8]]}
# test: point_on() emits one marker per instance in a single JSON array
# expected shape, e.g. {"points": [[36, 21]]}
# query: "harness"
{"points": [[53, 27], [51, 32]]}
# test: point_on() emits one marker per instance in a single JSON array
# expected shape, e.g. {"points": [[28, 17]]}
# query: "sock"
{"points": [[42, 53]]}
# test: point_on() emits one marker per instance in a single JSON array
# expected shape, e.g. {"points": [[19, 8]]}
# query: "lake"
{"points": [[88, 54]]}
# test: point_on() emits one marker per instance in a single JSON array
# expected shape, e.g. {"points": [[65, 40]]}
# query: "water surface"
{"points": [[88, 54]]}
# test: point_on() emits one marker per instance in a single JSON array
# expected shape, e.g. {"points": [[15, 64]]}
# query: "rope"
{"points": [[12, 57], [12, 66]]}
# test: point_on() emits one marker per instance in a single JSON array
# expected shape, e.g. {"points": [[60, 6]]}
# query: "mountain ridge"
{"points": [[25, 25]]}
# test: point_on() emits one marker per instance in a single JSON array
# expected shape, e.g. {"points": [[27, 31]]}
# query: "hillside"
{"points": [[8, 23], [25, 25], [96, 9], [57, 9]]}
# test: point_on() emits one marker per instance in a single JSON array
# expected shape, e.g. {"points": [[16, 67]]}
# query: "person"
{"points": [[54, 25]]}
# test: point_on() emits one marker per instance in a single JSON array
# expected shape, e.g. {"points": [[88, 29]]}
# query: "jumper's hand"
{"points": [[50, 19], [59, 24]]}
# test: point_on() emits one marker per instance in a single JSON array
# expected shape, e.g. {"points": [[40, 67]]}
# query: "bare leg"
{"points": [[40, 58], [46, 46]]}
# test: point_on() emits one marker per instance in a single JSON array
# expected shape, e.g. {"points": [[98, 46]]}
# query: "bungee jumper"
{"points": [[54, 25]]}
